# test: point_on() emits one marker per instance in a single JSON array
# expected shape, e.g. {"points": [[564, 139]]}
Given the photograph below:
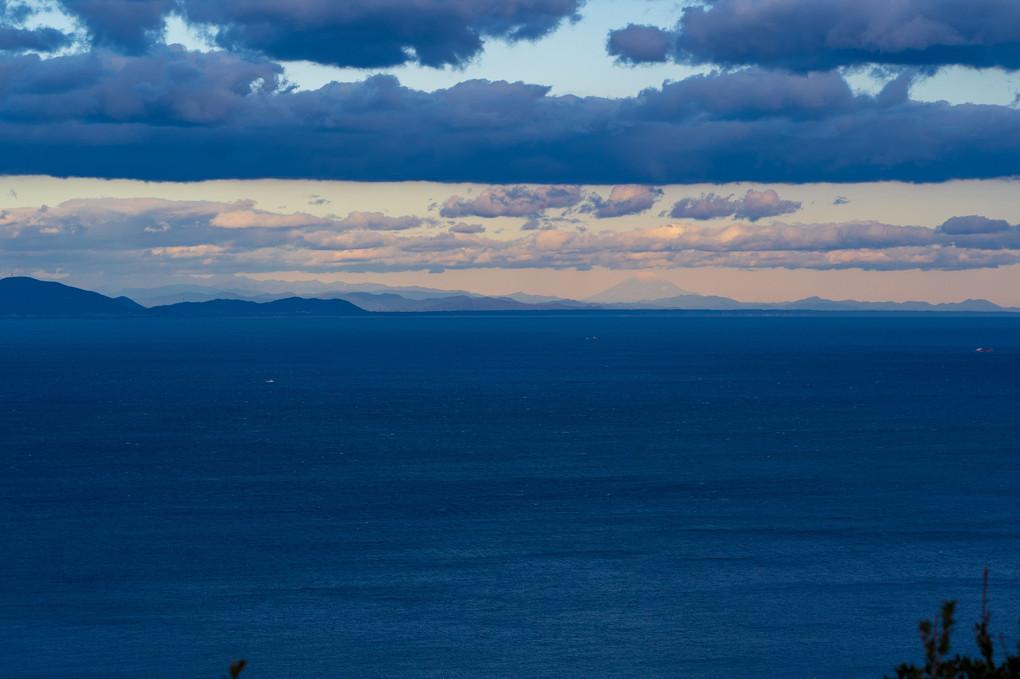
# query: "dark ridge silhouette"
{"points": [[24, 296], [299, 306], [291, 306], [214, 307], [129, 303]]}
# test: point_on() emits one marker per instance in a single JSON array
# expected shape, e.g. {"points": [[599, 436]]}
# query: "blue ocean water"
{"points": [[579, 495]]}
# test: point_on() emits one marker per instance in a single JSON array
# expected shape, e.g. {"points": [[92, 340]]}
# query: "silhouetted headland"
{"points": [[28, 297]]}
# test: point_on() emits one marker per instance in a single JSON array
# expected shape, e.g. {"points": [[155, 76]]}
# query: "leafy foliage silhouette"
{"points": [[935, 637], [235, 668]]}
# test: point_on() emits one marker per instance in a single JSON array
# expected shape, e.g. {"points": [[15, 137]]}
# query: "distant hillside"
{"points": [[384, 301], [24, 296], [693, 301], [819, 304], [291, 306]]}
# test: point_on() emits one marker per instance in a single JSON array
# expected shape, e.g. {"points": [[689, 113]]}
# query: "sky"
{"points": [[764, 150]]}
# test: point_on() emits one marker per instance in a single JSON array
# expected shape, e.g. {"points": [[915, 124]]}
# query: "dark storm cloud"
{"points": [[169, 86], [14, 37], [125, 25], [754, 205], [358, 33], [640, 44], [177, 115], [39, 39], [755, 94], [805, 35]]}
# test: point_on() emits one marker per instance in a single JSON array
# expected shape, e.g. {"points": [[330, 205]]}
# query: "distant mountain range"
{"points": [[23, 296]]}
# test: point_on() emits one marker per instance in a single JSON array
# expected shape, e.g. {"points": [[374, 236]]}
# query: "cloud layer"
{"points": [[173, 114], [811, 35], [200, 236]]}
